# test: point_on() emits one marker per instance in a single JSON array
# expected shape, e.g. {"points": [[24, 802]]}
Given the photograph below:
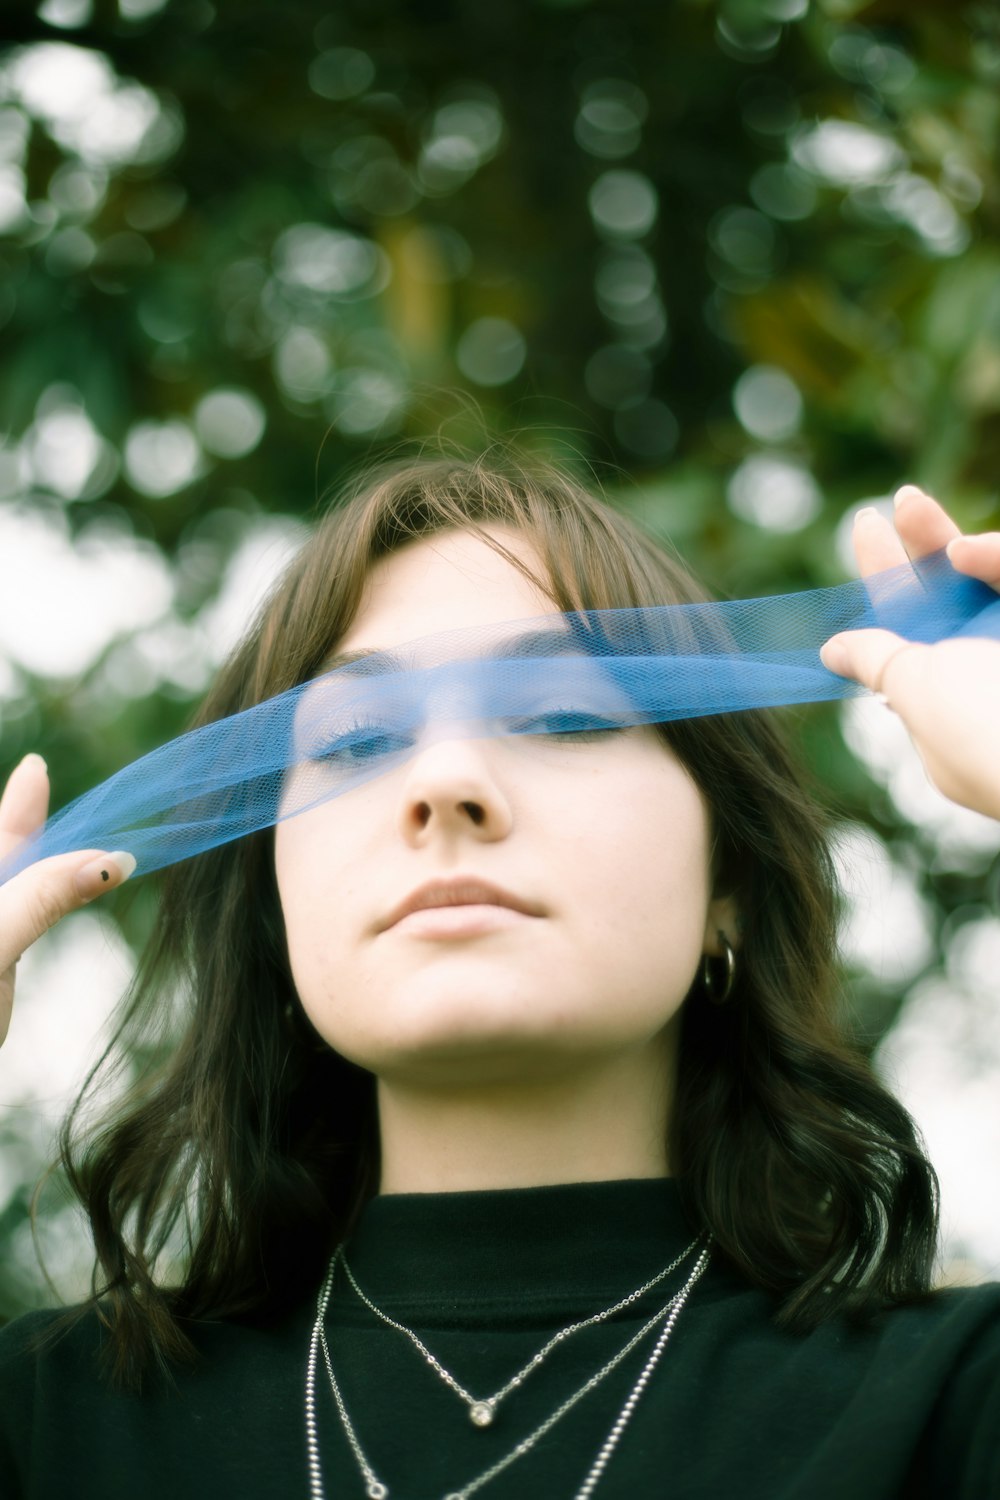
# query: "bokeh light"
{"points": [[768, 403], [161, 457], [341, 73], [255, 562], [775, 493], [302, 364], [887, 927], [229, 423], [491, 351], [68, 599], [624, 204], [846, 153], [609, 121], [330, 262], [75, 92]]}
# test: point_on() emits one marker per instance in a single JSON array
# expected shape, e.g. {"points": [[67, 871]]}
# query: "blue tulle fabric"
{"points": [[553, 674]]}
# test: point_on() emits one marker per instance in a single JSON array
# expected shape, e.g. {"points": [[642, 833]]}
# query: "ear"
{"points": [[723, 916]]}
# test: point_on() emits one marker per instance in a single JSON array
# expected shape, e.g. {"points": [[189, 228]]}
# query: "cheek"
{"points": [[646, 871], [313, 891], [292, 873]]}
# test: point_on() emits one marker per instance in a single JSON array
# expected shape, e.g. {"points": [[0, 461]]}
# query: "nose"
{"points": [[451, 788]]}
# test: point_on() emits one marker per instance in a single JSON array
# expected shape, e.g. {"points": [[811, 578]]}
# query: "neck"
{"points": [[593, 1124]]}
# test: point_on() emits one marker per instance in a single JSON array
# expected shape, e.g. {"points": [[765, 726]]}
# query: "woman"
{"points": [[573, 1185]]}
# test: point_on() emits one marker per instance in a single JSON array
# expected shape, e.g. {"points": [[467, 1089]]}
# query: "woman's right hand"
{"points": [[34, 900]]}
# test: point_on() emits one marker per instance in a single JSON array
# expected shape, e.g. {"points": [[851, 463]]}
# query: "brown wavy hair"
{"points": [[247, 1146]]}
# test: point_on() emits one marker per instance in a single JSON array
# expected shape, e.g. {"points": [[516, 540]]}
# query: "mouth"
{"points": [[469, 920], [460, 893]]}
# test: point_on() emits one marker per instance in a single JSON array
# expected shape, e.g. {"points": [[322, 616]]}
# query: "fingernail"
{"points": [[864, 513], [104, 873], [833, 655], [33, 759], [908, 492]]}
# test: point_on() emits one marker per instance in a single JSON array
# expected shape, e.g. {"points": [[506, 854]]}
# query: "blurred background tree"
{"points": [[738, 259]]}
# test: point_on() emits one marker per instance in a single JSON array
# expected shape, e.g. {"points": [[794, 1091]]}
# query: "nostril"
{"points": [[474, 810]]}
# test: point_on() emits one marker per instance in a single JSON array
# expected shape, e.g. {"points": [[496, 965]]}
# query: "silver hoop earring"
{"points": [[719, 996]]}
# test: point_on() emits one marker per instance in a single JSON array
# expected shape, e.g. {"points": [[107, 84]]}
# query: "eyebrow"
{"points": [[530, 643]]}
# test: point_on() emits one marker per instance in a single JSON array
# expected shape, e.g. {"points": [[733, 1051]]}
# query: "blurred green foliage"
{"points": [[739, 256]]}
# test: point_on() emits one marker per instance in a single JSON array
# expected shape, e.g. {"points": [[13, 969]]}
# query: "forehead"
{"points": [[445, 582]]}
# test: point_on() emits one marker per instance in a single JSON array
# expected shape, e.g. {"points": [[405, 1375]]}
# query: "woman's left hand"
{"points": [[948, 694]]}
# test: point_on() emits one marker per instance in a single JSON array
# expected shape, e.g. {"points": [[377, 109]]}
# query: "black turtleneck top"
{"points": [[908, 1408]]}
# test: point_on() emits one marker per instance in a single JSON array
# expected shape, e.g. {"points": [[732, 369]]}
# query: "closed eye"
{"points": [[360, 743], [565, 722], [368, 741]]}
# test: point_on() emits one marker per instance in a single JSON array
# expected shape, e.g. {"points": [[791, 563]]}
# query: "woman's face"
{"points": [[607, 840]]}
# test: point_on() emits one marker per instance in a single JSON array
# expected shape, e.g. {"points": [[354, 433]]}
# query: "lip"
{"points": [[473, 920], [460, 890]]}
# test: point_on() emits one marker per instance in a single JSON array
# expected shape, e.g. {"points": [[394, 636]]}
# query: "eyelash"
{"points": [[345, 741]]}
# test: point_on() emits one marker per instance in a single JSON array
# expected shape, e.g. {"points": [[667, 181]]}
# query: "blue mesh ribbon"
{"points": [[552, 674]]}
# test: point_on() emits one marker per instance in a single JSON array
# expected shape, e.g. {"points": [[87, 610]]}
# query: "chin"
{"points": [[497, 1052], [459, 1068]]}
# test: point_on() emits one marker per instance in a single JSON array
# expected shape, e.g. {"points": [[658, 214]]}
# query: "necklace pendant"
{"points": [[481, 1414]]}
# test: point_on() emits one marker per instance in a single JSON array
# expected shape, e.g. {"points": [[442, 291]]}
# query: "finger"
{"points": [[24, 805], [923, 525], [876, 545], [35, 900], [863, 654], [977, 556]]}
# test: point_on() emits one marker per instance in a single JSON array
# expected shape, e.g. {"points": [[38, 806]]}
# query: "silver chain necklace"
{"points": [[375, 1489], [483, 1410]]}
